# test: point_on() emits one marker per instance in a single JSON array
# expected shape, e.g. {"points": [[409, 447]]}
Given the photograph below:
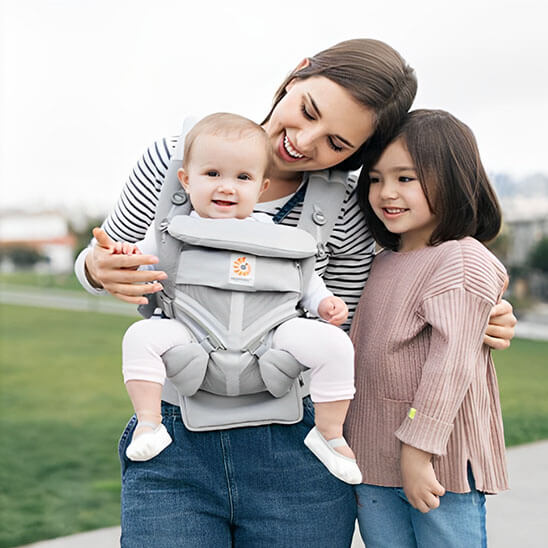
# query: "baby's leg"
{"points": [[144, 375], [329, 353]]}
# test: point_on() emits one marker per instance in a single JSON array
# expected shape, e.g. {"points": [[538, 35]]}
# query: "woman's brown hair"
{"points": [[374, 74], [448, 166]]}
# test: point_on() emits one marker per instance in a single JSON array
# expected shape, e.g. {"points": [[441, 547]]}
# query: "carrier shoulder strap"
{"points": [[172, 201], [325, 194]]}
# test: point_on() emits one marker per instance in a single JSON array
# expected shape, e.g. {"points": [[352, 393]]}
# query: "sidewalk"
{"points": [[514, 518]]}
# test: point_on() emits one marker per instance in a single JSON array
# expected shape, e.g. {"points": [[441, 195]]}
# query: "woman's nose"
{"points": [[306, 139]]}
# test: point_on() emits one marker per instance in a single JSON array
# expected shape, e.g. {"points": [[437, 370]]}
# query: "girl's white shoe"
{"points": [[149, 444], [342, 467]]}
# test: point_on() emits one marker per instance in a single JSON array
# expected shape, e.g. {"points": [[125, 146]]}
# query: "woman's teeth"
{"points": [[290, 150]]}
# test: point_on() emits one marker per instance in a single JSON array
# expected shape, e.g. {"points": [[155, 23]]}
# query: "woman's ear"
{"points": [[302, 65]]}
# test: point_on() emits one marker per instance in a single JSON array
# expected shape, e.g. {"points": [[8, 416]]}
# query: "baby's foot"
{"points": [[330, 453], [149, 440]]}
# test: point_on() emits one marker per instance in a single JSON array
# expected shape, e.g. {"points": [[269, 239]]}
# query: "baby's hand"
{"points": [[125, 248], [419, 480], [333, 310], [114, 248]]}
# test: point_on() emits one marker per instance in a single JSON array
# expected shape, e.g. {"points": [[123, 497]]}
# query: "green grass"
{"points": [[48, 281], [63, 407], [522, 372]]}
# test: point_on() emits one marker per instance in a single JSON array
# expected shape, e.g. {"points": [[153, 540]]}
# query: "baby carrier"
{"points": [[232, 285]]}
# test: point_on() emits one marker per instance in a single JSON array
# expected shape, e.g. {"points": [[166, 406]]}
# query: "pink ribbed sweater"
{"points": [[418, 334]]}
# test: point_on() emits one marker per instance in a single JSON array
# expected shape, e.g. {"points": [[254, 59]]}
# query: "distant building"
{"points": [[46, 232], [525, 234]]}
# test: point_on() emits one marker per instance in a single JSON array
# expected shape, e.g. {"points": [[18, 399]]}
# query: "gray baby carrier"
{"points": [[232, 283]]}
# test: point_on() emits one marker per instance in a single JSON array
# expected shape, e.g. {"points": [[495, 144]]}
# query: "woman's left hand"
{"points": [[501, 328]]}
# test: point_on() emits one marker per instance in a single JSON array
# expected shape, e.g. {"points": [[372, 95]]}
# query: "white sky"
{"points": [[86, 85]]}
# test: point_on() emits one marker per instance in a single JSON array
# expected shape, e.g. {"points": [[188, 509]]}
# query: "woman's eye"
{"points": [[244, 177], [334, 145], [306, 114], [212, 173]]}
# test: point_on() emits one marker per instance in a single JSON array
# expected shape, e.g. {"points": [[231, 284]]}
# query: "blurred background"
{"points": [[87, 85]]}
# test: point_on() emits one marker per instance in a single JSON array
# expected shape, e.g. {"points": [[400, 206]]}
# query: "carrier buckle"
{"points": [[166, 304]]}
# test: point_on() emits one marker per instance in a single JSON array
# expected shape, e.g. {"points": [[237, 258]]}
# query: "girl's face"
{"points": [[397, 198], [316, 125]]}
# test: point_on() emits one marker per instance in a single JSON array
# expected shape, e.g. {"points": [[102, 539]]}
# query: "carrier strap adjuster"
{"points": [[166, 304]]}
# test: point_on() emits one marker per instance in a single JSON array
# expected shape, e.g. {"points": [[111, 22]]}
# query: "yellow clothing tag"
{"points": [[412, 413]]}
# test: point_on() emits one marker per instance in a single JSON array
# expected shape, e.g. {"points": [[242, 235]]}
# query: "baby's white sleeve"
{"points": [[314, 293]]}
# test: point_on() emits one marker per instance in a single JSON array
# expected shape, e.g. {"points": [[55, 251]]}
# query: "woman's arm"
{"points": [[352, 251], [129, 221]]}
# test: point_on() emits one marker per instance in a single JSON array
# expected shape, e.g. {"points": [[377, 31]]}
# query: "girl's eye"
{"points": [[374, 179], [405, 179], [333, 145], [244, 177], [306, 114], [212, 173]]}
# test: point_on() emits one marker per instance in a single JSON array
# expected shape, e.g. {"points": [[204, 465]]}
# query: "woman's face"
{"points": [[317, 125]]}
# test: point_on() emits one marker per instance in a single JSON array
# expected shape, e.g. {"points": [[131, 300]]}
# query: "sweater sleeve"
{"points": [[458, 318]]}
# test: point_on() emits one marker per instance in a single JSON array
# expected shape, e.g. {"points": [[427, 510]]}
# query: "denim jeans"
{"points": [[387, 520], [245, 487]]}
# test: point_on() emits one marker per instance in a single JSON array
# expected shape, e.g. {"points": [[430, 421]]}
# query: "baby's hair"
{"points": [[448, 166], [231, 126]]}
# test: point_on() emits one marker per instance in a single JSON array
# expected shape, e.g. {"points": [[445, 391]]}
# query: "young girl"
{"points": [[426, 423]]}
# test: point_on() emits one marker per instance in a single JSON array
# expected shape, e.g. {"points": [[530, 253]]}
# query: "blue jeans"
{"points": [[386, 519], [245, 487]]}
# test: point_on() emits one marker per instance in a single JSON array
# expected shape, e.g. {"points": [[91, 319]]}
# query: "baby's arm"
{"points": [[419, 480], [320, 302]]}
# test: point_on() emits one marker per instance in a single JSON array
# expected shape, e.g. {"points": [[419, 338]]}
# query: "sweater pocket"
{"points": [[393, 413]]}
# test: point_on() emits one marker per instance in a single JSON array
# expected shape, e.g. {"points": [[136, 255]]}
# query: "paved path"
{"points": [[516, 518]]}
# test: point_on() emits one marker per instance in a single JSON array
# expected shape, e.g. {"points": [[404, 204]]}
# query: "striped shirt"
{"points": [[350, 248]]}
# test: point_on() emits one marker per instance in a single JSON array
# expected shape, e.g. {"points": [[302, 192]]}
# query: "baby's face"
{"points": [[225, 176]]}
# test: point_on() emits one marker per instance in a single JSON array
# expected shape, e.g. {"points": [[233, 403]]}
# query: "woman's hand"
{"points": [[502, 323], [420, 484], [118, 274]]}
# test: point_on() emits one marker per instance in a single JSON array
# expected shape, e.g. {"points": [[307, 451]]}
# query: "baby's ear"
{"points": [[265, 185], [183, 177]]}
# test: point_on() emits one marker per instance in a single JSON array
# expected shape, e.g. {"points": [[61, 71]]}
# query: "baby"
{"points": [[224, 172]]}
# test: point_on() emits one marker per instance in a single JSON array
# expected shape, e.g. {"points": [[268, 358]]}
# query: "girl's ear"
{"points": [[302, 65], [183, 178]]}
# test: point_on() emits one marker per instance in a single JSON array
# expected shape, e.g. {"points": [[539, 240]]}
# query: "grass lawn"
{"points": [[63, 407], [47, 281]]}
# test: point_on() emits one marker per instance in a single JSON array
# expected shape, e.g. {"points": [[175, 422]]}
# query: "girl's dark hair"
{"points": [[374, 74], [447, 162]]}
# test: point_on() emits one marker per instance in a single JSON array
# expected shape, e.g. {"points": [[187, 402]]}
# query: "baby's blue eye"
{"points": [[212, 173], [244, 177]]}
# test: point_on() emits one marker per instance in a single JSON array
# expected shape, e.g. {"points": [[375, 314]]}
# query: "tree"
{"points": [[538, 256]]}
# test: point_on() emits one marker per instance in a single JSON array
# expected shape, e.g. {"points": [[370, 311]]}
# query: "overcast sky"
{"points": [[86, 85]]}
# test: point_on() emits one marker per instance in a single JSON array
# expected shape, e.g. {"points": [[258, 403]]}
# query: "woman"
{"points": [[260, 486]]}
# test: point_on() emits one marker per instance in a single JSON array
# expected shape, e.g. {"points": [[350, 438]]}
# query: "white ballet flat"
{"points": [[149, 444], [342, 467]]}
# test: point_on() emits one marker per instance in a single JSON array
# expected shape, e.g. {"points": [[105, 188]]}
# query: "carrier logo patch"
{"points": [[242, 269]]}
